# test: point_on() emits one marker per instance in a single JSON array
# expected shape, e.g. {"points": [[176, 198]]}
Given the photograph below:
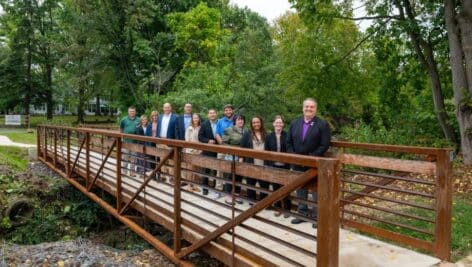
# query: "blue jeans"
{"points": [[303, 208]]}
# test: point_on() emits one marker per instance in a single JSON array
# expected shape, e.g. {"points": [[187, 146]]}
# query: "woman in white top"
{"points": [[191, 135], [255, 139], [153, 124]]}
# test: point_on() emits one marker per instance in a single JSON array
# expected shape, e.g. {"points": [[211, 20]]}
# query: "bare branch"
{"points": [[369, 17], [356, 46]]}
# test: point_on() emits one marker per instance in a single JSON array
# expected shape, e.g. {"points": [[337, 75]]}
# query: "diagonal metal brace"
{"points": [[77, 157], [102, 165], [158, 167], [278, 195]]}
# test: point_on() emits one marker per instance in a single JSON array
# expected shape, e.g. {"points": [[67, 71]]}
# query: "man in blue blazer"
{"points": [[308, 135], [167, 122], [184, 121]]}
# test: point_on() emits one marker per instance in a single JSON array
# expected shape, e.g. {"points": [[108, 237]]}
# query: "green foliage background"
{"points": [[369, 85]]}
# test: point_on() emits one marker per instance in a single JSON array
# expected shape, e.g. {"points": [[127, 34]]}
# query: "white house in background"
{"points": [[60, 109]]}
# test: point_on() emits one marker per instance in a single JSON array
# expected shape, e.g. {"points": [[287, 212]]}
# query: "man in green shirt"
{"points": [[128, 125]]}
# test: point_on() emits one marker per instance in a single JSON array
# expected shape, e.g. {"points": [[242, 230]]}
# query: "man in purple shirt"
{"points": [[308, 135]]}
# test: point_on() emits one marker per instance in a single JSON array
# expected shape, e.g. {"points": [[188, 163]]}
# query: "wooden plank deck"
{"points": [[258, 238], [255, 238], [156, 202]]}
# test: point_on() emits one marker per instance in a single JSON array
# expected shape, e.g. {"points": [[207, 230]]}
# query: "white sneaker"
{"points": [[215, 195]]}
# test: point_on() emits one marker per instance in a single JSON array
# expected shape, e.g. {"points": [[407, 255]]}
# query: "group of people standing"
{"points": [[307, 135]]}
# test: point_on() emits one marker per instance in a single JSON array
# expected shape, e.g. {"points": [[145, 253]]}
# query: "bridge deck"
{"points": [[258, 239], [157, 198]]}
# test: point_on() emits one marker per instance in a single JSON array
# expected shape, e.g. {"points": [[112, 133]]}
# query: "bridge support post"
{"points": [[55, 147], [38, 141], [87, 159], [45, 153], [68, 152], [328, 213], [118, 174], [177, 195], [442, 242]]}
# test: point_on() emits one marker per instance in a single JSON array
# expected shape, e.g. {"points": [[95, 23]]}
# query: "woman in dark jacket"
{"points": [[277, 141], [143, 161], [255, 139]]}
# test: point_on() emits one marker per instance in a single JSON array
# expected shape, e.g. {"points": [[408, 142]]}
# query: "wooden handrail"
{"points": [[265, 155], [309, 161], [390, 148]]}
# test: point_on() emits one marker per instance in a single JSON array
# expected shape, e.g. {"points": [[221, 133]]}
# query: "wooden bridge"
{"points": [[398, 193]]}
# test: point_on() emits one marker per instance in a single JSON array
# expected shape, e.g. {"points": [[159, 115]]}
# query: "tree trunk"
{"points": [[438, 98], [45, 22], [97, 104], [29, 78], [80, 106], [424, 51], [461, 85], [27, 102], [29, 59], [464, 118], [49, 95], [29, 83], [465, 24]]}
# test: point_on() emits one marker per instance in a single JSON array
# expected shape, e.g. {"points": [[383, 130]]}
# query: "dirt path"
{"points": [[5, 141]]}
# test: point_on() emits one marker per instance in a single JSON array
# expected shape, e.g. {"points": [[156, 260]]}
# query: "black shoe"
{"points": [[205, 191], [315, 225], [211, 184], [297, 221]]}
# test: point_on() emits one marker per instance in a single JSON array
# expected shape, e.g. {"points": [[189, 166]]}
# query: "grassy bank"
{"points": [[461, 236], [14, 158], [61, 212], [62, 120], [20, 135]]}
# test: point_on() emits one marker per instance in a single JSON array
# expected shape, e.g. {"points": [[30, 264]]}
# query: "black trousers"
{"points": [[237, 188], [284, 203], [251, 193], [205, 180]]}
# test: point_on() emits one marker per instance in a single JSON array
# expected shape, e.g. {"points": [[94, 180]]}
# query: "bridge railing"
{"points": [[399, 193], [163, 183]]}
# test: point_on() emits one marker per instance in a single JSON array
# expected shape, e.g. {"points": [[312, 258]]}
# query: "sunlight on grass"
{"points": [[22, 136], [68, 120], [461, 237], [461, 229]]}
